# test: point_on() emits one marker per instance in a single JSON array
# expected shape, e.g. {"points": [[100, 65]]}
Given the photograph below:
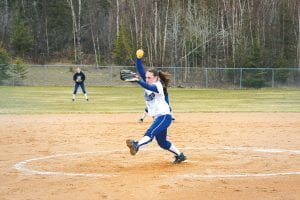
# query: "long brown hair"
{"points": [[165, 77]]}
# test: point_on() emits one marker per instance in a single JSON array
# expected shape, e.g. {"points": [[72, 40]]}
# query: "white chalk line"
{"points": [[22, 166]]}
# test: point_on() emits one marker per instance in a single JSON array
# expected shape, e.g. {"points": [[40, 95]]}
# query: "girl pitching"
{"points": [[154, 83]]}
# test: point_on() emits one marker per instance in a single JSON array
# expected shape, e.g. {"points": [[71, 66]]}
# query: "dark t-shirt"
{"points": [[79, 77]]}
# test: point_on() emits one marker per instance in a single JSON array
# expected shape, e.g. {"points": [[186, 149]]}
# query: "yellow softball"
{"points": [[139, 53]]}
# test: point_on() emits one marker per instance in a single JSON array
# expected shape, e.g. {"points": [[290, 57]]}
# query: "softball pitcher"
{"points": [[154, 82]]}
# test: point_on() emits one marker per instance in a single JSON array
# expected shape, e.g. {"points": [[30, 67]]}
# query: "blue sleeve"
{"points": [[147, 86], [140, 68], [167, 99]]}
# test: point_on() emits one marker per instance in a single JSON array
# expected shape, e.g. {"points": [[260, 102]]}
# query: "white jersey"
{"points": [[156, 102]]}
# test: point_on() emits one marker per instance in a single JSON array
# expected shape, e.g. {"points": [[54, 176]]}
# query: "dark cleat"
{"points": [[179, 158], [133, 146]]}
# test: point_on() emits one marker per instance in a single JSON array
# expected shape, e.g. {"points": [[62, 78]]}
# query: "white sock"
{"points": [[86, 97], [174, 149], [144, 140], [73, 96]]}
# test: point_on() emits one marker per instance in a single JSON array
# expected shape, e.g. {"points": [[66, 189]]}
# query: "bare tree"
{"points": [[46, 27], [155, 28], [118, 17], [298, 46], [135, 23], [76, 18], [5, 24], [94, 40], [175, 36], [165, 33]]}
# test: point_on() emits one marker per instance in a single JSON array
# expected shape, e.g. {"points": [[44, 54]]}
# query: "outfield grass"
{"points": [[42, 100]]}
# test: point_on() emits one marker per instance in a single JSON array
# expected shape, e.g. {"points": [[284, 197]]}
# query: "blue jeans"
{"points": [[158, 129], [76, 87]]}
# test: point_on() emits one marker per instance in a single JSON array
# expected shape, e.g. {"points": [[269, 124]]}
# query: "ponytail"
{"points": [[165, 77]]}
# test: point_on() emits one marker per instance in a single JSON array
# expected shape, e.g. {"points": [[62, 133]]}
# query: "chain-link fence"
{"points": [[61, 75]]}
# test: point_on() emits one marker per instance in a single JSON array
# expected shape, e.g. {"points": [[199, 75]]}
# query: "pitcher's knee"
{"points": [[164, 144]]}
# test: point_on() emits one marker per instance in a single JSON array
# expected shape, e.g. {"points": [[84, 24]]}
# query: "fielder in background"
{"points": [[79, 79], [154, 82]]}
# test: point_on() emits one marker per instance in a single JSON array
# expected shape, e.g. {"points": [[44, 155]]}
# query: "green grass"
{"points": [[42, 100], [214, 100]]}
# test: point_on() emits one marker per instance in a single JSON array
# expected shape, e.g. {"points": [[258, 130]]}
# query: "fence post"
{"points": [[174, 77], [13, 81], [272, 78], [206, 79], [111, 76], [13, 75], [46, 75], [241, 77]]}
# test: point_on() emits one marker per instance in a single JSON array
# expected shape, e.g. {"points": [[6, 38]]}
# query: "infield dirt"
{"points": [[219, 147]]}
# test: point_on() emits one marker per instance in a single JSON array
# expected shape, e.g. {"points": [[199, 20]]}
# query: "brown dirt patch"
{"points": [[216, 144]]}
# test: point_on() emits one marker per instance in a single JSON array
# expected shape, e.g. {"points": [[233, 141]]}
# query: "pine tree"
{"points": [[4, 58], [22, 38], [19, 70], [122, 53]]}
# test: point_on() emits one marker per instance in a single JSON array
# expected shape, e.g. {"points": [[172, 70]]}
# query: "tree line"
{"points": [[177, 33]]}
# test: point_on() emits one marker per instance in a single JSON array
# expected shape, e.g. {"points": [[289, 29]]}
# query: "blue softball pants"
{"points": [[76, 88], [158, 129]]}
